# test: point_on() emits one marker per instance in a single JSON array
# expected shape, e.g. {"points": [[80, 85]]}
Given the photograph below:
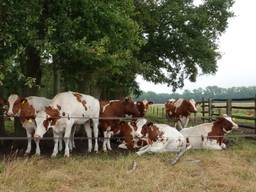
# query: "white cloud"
{"points": [[237, 67]]}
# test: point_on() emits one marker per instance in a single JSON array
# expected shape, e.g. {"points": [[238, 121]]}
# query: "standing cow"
{"points": [[179, 111], [26, 109], [65, 110], [209, 135]]}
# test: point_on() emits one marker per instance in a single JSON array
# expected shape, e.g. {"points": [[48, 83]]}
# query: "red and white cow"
{"points": [[110, 111], [143, 106], [65, 110], [209, 135], [150, 137], [179, 111], [26, 109]]}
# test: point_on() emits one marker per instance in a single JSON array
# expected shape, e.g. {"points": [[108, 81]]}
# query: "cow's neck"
{"points": [[216, 133], [115, 109]]}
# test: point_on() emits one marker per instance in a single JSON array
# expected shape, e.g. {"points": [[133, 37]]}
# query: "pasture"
{"points": [[231, 170]]}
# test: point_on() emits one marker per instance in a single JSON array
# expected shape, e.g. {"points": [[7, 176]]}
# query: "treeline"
{"points": [[198, 94]]}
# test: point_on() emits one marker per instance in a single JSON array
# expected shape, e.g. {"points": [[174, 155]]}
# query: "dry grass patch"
{"points": [[230, 170]]}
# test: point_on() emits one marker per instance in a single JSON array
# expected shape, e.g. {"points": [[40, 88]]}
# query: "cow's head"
{"points": [[143, 106], [130, 107], [191, 105], [150, 132], [46, 119], [14, 104], [226, 123]]}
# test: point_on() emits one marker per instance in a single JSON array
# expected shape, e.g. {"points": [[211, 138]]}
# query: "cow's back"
{"points": [[76, 104], [195, 134], [38, 103]]}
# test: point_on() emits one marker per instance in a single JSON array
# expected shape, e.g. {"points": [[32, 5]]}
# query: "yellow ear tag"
{"points": [[23, 102], [30, 120]]}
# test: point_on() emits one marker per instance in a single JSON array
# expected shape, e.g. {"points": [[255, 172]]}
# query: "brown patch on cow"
{"points": [[185, 109], [152, 132], [2, 102], [53, 116], [217, 131], [79, 99], [17, 105], [27, 111]]}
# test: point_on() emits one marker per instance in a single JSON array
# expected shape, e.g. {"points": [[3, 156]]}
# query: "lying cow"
{"points": [[209, 135], [110, 111], [150, 137], [143, 106], [65, 110], [179, 111], [26, 109]]}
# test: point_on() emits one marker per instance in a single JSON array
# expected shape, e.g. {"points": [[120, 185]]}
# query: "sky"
{"points": [[237, 45]]}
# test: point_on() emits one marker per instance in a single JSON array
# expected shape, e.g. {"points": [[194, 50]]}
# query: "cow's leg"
{"points": [[143, 150], [60, 140], [29, 136], [73, 136], [105, 140], [38, 152], [179, 125], [67, 137], [96, 134], [88, 131], [57, 138], [109, 134], [186, 122]]}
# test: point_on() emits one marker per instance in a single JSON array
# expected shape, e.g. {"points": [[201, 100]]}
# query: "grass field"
{"points": [[231, 170]]}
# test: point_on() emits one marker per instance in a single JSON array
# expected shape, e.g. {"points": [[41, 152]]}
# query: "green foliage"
{"points": [[181, 39]]}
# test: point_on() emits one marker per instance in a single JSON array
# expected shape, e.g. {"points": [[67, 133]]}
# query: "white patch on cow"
{"points": [[139, 123], [11, 100], [105, 106], [193, 103], [145, 102], [235, 126], [171, 100], [178, 103]]}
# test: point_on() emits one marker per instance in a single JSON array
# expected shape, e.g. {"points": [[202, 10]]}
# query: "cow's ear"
{"points": [[23, 100], [150, 102], [122, 123], [149, 124], [127, 99]]}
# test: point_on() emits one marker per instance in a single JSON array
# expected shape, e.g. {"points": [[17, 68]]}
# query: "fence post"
{"points": [[229, 107], [203, 108], [255, 114], [2, 130], [163, 113], [157, 109], [210, 109]]}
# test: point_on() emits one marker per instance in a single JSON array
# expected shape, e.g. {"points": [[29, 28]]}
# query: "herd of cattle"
{"points": [[68, 110]]}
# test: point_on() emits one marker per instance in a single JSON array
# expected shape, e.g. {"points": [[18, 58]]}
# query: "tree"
{"points": [[181, 38]]}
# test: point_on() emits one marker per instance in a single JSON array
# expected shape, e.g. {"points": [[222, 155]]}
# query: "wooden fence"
{"points": [[242, 110]]}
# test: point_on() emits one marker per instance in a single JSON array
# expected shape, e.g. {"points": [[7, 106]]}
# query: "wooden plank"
{"points": [[244, 117], [219, 107], [249, 126], [240, 107]]}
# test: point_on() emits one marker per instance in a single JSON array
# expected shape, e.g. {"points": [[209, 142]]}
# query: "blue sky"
{"points": [[237, 67]]}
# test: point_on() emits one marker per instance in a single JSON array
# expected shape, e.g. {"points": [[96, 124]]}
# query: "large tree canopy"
{"points": [[181, 38], [98, 47]]}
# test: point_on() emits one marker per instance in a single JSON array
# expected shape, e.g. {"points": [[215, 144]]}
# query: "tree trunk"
{"points": [[56, 78], [32, 68]]}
